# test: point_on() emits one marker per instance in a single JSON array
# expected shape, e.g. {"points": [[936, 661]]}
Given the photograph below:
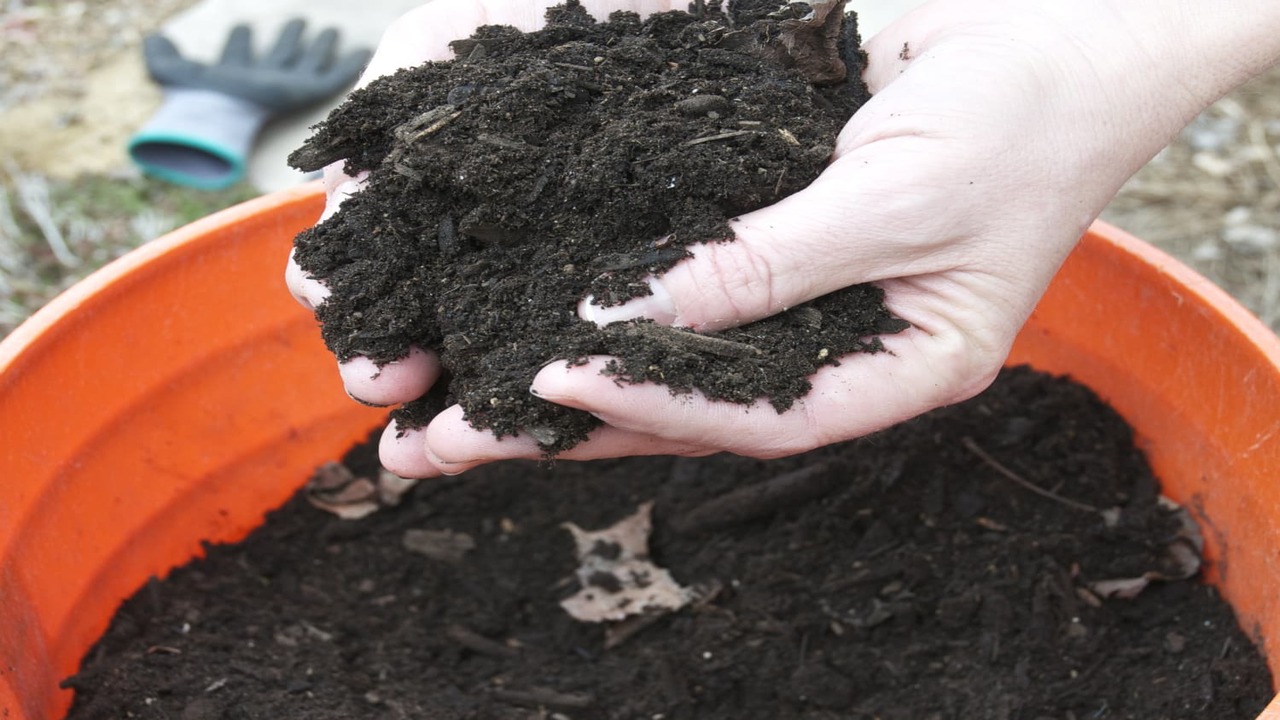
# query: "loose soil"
{"points": [[537, 169], [903, 576]]}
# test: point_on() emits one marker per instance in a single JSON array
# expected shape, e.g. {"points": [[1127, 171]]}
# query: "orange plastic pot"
{"points": [[179, 394]]}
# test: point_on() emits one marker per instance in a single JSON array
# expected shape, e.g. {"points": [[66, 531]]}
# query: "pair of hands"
{"points": [[998, 130]]}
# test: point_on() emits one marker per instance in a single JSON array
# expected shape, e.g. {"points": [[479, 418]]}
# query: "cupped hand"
{"points": [[997, 132], [422, 35]]}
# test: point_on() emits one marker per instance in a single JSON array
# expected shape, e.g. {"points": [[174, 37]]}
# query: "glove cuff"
{"points": [[198, 138]]}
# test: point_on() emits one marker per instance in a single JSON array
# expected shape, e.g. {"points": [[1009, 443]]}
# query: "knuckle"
{"points": [[743, 289], [971, 361]]}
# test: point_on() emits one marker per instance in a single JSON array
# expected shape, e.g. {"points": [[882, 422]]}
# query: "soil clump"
{"points": [[903, 576], [540, 168]]}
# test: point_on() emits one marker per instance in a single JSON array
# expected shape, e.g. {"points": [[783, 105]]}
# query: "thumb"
{"points": [[860, 221]]}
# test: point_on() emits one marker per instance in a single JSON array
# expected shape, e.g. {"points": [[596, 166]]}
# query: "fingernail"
{"points": [[366, 403], [657, 306], [446, 467]]}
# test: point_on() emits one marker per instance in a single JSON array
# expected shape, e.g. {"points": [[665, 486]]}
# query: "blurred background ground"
{"points": [[72, 89]]}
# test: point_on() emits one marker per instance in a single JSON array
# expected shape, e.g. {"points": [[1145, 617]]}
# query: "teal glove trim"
{"points": [[198, 138]]}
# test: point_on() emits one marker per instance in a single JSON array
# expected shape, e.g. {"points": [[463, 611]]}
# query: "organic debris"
{"points": [[1180, 561], [336, 489], [617, 578]]}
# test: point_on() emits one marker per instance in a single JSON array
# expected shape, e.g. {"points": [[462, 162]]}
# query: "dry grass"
{"points": [[55, 232]]}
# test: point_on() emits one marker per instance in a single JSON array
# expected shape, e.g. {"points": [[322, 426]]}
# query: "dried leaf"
{"points": [[335, 489], [617, 578], [1181, 559], [1125, 588], [813, 42]]}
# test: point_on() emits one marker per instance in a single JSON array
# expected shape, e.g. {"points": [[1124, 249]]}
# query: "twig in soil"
{"points": [[434, 121], [413, 130], [544, 698], [163, 650], [758, 500], [720, 136], [1025, 483], [694, 342], [777, 187], [624, 261], [478, 643], [622, 631]]}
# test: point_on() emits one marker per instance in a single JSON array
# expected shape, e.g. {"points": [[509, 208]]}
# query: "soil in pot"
{"points": [[537, 169], [1008, 557]]}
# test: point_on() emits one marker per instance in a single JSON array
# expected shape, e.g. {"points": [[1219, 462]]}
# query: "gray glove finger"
{"points": [[239, 48], [343, 73], [288, 45], [319, 53], [165, 63]]}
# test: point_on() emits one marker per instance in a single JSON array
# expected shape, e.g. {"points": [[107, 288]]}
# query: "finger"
{"points": [[308, 291], [870, 216], [319, 53], [454, 446], [287, 46], [339, 186], [165, 63], [398, 381], [239, 48], [863, 394], [911, 36], [402, 452]]}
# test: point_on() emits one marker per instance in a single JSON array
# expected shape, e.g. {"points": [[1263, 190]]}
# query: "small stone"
{"points": [[1212, 164], [444, 545], [700, 105], [1250, 238]]}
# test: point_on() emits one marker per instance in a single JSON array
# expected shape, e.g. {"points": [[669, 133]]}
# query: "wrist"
{"points": [[1202, 49]]}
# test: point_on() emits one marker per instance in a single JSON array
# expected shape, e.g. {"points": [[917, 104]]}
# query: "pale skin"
{"points": [[989, 146]]}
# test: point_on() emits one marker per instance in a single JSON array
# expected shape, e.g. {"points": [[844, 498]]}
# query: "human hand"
{"points": [[997, 132], [420, 36]]}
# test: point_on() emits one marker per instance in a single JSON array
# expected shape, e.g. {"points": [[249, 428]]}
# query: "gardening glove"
{"points": [[203, 132]]}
